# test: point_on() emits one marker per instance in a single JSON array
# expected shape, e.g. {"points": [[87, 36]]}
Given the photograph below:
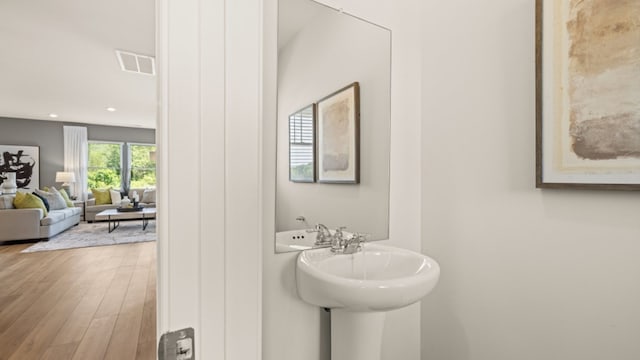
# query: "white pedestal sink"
{"points": [[359, 288]]}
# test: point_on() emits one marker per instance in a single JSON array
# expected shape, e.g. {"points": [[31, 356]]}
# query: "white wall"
{"points": [[526, 274], [329, 53], [293, 330]]}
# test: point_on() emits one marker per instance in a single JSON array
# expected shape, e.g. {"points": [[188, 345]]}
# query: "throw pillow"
{"points": [[29, 201], [55, 200], [116, 197], [6, 202], [148, 196], [44, 201], [102, 196], [64, 194]]}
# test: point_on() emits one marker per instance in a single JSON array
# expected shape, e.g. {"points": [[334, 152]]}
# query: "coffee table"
{"points": [[113, 216]]}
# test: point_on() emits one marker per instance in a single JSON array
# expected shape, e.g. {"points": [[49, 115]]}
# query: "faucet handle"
{"points": [[324, 236], [354, 243], [360, 237], [317, 228]]}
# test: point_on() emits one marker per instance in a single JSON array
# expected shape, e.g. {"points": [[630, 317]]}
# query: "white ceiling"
{"points": [[293, 15], [58, 56]]}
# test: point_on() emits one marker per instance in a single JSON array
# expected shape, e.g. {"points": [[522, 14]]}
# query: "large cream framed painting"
{"points": [[338, 136], [588, 94]]}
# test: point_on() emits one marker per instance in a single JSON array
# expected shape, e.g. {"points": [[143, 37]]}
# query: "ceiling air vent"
{"points": [[136, 63]]}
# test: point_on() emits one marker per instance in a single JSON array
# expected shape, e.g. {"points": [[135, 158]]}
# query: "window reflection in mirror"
{"points": [[301, 145], [320, 50]]}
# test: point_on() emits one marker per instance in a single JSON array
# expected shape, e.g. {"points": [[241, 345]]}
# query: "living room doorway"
{"points": [[89, 290]]}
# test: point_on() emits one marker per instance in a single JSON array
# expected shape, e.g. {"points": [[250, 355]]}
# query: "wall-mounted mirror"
{"points": [[322, 51]]}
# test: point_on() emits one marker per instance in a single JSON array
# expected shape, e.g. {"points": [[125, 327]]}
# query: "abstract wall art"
{"points": [[24, 161], [588, 94], [338, 136]]}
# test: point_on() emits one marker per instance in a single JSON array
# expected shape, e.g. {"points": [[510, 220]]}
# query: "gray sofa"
{"points": [[28, 224], [91, 209]]}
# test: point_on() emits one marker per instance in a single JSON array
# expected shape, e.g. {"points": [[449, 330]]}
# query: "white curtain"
{"points": [[76, 149]]}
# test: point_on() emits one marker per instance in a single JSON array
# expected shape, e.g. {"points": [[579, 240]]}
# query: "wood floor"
{"points": [[89, 303]]}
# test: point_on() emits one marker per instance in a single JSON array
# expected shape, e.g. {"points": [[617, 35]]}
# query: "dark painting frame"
{"points": [[338, 136]]}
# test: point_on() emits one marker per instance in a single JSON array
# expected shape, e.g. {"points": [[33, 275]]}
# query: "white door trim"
{"points": [[209, 57]]}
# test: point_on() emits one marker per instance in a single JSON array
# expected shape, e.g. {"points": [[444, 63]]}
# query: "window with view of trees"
{"points": [[142, 166], [108, 162], [104, 168]]}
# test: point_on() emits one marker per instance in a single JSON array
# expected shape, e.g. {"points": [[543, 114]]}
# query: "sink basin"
{"points": [[294, 240], [378, 278], [359, 288]]}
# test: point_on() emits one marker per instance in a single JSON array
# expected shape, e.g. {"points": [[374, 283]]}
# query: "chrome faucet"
{"points": [[338, 242], [324, 236], [354, 244], [351, 245]]}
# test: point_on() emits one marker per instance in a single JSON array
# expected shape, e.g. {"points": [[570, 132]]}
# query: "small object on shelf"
{"points": [[9, 185]]}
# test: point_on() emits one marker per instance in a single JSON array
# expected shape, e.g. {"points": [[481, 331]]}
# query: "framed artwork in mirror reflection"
{"points": [[338, 136], [302, 145]]}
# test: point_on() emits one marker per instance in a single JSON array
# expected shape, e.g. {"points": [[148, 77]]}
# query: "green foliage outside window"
{"points": [[143, 169], [302, 172], [104, 165]]}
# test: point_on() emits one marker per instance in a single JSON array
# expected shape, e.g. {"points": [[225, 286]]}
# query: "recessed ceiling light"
{"points": [[111, 109], [52, 115]]}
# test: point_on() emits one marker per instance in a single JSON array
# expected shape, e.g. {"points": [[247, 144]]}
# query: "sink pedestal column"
{"points": [[356, 335]]}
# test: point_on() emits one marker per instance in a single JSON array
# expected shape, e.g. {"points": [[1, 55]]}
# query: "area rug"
{"points": [[96, 234]]}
